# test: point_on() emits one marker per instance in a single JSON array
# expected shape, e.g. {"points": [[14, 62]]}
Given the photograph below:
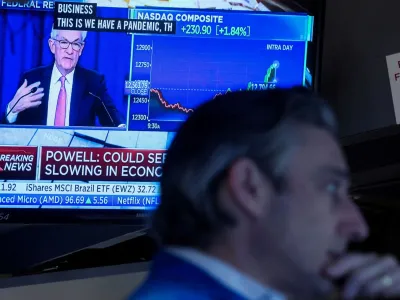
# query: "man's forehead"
{"points": [[337, 170], [318, 149], [69, 35]]}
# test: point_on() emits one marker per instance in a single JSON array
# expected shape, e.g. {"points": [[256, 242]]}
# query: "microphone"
{"points": [[32, 91], [104, 106]]}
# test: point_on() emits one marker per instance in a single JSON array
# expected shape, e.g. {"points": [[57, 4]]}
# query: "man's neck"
{"points": [[63, 71]]}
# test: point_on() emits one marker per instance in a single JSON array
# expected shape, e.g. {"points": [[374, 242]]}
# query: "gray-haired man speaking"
{"points": [[63, 93], [255, 206]]}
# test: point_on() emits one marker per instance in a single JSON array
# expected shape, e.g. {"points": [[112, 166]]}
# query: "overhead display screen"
{"points": [[92, 92]]}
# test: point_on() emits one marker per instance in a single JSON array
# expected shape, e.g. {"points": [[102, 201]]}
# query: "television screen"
{"points": [[92, 92]]}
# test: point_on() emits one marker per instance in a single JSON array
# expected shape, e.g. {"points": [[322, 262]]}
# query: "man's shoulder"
{"points": [[184, 289], [88, 73], [168, 291], [169, 278], [172, 277]]}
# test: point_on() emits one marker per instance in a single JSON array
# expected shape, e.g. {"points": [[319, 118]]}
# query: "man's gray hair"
{"points": [[259, 125], [54, 34]]}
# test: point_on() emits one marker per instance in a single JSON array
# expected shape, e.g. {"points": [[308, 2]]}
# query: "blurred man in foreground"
{"points": [[63, 93], [255, 206]]}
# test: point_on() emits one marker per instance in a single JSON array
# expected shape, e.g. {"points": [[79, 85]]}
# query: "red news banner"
{"points": [[101, 164], [18, 163]]}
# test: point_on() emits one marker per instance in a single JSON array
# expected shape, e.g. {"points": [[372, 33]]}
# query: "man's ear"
{"points": [[52, 46], [249, 187]]}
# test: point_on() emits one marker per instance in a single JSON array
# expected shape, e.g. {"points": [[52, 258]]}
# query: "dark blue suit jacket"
{"points": [[84, 107], [172, 278]]}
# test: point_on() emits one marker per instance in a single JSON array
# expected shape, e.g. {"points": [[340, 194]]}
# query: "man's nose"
{"points": [[352, 224], [69, 49]]}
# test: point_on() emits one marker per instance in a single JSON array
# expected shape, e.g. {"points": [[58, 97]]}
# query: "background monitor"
{"points": [[128, 94]]}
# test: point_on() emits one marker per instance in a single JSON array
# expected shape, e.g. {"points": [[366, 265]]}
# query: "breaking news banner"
{"points": [[18, 163], [101, 164], [82, 16]]}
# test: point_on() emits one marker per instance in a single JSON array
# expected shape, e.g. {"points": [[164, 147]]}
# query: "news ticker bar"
{"points": [[178, 22], [80, 15], [83, 16], [80, 164], [132, 189], [145, 20], [78, 201]]}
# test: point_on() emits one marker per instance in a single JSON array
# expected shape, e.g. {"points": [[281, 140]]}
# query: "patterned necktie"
{"points": [[61, 105]]}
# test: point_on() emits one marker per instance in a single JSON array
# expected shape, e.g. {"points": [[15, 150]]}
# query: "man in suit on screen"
{"points": [[63, 94]]}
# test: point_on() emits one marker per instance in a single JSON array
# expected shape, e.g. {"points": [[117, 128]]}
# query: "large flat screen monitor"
{"points": [[91, 93]]}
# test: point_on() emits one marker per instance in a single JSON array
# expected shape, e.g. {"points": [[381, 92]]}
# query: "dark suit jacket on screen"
{"points": [[84, 107], [172, 278]]}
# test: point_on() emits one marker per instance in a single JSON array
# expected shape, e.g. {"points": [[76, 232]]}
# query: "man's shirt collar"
{"points": [[56, 75], [226, 275]]}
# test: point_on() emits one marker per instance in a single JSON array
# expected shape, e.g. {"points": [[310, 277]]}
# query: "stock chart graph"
{"points": [[162, 109], [185, 72]]}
